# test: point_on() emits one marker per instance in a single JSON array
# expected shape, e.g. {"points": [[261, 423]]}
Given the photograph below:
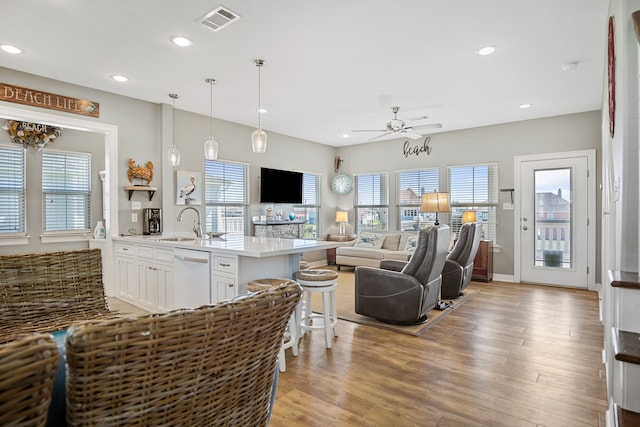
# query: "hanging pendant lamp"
{"points": [[174, 153], [259, 137], [210, 145]]}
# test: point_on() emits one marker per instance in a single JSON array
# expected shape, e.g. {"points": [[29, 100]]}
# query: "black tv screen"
{"points": [[278, 186]]}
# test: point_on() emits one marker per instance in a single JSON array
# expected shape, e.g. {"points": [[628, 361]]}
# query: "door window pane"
{"points": [[553, 218]]}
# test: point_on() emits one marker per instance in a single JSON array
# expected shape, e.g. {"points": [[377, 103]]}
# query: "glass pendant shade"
{"points": [[211, 145], [174, 156], [259, 141], [174, 153], [211, 149], [259, 137]]}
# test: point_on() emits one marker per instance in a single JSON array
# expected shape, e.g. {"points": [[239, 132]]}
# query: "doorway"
{"points": [[554, 224]]}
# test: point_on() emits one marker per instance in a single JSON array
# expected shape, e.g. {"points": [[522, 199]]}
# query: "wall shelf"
{"points": [[132, 188]]}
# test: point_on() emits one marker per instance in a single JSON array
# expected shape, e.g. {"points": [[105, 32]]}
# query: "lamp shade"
{"points": [[468, 216], [435, 202], [342, 216]]}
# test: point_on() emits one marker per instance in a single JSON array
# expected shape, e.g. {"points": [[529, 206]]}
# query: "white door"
{"points": [[554, 225]]}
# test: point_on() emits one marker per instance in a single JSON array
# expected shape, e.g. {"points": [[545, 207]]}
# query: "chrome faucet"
{"points": [[197, 227]]}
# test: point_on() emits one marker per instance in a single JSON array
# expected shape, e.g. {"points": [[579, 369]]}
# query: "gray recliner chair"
{"points": [[458, 268], [405, 297]]}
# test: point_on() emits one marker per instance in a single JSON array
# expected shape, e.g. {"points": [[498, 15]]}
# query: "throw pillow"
{"points": [[391, 242], [369, 240], [412, 242]]}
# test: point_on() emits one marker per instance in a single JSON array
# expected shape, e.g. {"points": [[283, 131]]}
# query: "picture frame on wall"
{"points": [[188, 188]]}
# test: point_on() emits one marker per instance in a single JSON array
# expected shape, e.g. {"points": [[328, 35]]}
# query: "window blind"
{"points": [[66, 188], [309, 210], [475, 188], [372, 201], [411, 185], [12, 190], [225, 196]]}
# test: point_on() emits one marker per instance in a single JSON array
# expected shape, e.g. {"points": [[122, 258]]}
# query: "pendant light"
{"points": [[259, 137], [210, 145], [174, 153]]}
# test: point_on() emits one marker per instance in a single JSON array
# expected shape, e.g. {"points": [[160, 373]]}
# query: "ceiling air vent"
{"points": [[219, 18]]}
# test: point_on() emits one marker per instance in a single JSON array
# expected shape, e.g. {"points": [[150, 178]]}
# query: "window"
{"points": [[309, 210], [66, 191], [372, 201], [475, 188], [12, 190], [411, 185], [225, 188]]}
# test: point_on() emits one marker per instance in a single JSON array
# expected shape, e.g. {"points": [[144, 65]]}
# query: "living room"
{"points": [[146, 130]]}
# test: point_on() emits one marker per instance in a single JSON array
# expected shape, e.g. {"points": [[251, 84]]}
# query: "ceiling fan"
{"points": [[400, 127]]}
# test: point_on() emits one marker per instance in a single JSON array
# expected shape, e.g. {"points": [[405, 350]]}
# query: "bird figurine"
{"points": [[188, 189]]}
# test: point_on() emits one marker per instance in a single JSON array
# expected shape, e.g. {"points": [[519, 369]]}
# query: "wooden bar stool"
{"points": [[324, 282], [292, 334]]}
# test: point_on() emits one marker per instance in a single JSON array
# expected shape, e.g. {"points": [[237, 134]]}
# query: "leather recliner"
{"points": [[458, 268], [405, 296]]}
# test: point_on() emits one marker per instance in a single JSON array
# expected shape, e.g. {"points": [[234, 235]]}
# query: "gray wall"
{"points": [[143, 136]]}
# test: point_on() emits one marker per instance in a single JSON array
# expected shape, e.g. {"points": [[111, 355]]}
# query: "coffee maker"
{"points": [[151, 221]]}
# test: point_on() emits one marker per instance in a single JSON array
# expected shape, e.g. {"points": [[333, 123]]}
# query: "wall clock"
{"points": [[611, 71], [341, 183]]}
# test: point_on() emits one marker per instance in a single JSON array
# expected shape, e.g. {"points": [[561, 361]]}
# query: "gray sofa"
{"points": [[371, 247]]}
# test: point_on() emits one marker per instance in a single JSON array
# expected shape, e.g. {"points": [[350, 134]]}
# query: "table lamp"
{"points": [[435, 202], [342, 217], [468, 216]]}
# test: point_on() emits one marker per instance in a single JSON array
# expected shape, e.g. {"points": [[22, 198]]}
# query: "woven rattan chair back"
{"points": [[44, 292], [27, 370], [209, 366]]}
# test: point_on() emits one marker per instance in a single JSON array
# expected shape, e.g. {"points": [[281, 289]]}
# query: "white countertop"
{"points": [[257, 247]]}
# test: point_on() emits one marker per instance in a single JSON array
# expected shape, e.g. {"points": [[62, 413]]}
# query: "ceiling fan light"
{"points": [[259, 141], [211, 149]]}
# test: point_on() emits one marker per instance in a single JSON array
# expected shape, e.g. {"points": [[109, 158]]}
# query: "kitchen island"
{"points": [[160, 273]]}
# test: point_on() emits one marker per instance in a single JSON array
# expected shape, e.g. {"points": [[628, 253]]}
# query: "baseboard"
{"points": [[503, 277]]}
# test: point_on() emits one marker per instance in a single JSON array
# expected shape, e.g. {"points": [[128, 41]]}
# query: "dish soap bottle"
{"points": [[99, 232]]}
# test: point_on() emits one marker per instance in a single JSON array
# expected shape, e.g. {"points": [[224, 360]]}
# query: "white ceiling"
{"points": [[331, 66]]}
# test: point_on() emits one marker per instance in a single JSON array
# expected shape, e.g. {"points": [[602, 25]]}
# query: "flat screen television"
{"points": [[279, 186]]}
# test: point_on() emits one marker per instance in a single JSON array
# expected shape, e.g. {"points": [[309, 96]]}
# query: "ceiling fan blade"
{"points": [[412, 135], [431, 126], [369, 130], [379, 136]]}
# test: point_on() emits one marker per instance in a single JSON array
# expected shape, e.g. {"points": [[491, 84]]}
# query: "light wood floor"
{"points": [[513, 355]]}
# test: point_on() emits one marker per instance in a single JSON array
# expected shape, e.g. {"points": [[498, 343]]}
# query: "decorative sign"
{"points": [[28, 134], [416, 150], [48, 100]]}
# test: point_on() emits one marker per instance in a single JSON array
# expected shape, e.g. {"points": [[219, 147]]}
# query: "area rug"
{"points": [[345, 301]]}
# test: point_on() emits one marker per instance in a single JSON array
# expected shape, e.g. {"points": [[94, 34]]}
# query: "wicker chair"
{"points": [[27, 369], [209, 366], [46, 292]]}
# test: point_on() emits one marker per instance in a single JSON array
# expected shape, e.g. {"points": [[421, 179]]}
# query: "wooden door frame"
{"points": [[591, 209]]}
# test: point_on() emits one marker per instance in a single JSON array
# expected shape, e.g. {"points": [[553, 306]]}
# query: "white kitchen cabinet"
{"points": [[225, 273]]}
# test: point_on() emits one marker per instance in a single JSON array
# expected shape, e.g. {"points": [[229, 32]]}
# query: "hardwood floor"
{"points": [[513, 355]]}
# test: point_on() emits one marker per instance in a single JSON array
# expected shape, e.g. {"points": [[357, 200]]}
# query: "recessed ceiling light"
{"points": [[262, 110], [120, 78], [10, 49], [345, 135], [525, 106], [487, 50], [181, 41]]}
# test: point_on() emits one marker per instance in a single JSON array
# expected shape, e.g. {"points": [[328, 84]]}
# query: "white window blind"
{"points": [[475, 188], [225, 191], [309, 210], [12, 190], [66, 191], [411, 185], [372, 201]]}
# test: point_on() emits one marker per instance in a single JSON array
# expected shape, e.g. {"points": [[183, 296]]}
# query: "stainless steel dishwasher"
{"points": [[192, 276]]}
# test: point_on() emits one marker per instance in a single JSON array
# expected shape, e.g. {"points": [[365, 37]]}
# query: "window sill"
{"points": [[14, 240], [65, 237]]}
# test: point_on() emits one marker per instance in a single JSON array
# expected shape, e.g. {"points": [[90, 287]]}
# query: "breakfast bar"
{"points": [[160, 273]]}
